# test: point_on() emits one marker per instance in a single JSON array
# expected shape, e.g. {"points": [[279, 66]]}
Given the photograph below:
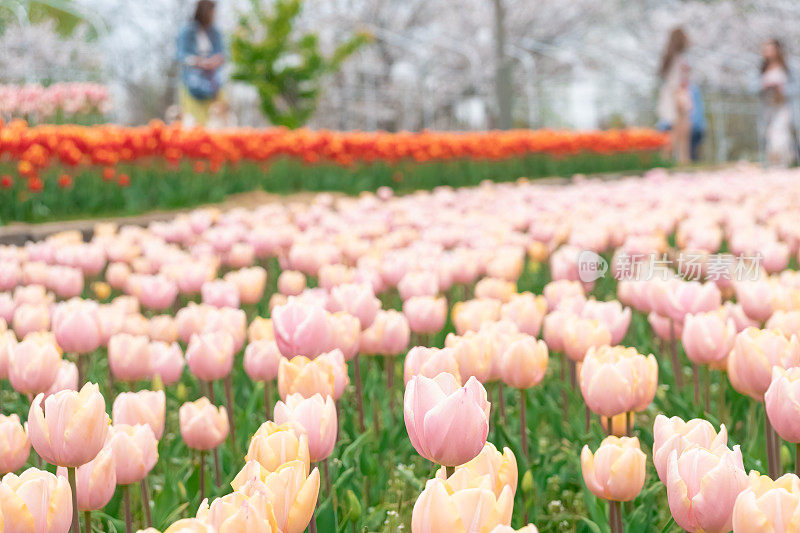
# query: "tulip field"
{"points": [[592, 356], [52, 172]]}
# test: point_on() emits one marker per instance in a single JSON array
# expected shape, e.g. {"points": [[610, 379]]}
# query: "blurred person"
{"points": [[697, 121], [201, 55], [674, 100], [777, 125]]}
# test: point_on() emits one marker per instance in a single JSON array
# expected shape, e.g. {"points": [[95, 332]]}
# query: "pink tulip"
{"points": [[220, 293], [7, 307], [10, 275], [66, 378], [261, 360], [497, 289], [34, 365], [664, 328], [301, 329], [15, 447], [129, 357], [615, 380], [157, 292], [135, 451], [203, 426], [708, 338], [524, 363], [36, 501], [291, 283], [787, 322], [316, 416], [421, 283], [675, 435], [210, 355], [702, 486], [616, 471], [755, 353], [96, 481], [557, 290], [29, 318], [7, 342], [782, 401], [616, 318], [425, 314], [582, 334], [447, 423], [430, 362], [229, 319], [756, 298], [768, 506], [66, 282], [357, 300], [472, 354], [678, 298], [345, 334], [554, 327], [71, 429], [143, 407], [191, 320], [117, 275], [471, 314], [250, 283], [526, 311], [163, 328], [77, 326], [166, 361], [332, 275], [32, 295]]}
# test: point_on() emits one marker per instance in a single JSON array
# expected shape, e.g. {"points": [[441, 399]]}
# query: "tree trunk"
{"points": [[502, 80]]}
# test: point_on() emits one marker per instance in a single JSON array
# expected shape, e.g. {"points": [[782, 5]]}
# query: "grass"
{"points": [[156, 186]]}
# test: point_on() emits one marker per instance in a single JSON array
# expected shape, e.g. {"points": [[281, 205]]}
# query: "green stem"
{"points": [[76, 523]]}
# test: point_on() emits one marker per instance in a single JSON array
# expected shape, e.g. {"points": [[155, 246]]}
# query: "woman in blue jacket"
{"points": [[201, 55]]}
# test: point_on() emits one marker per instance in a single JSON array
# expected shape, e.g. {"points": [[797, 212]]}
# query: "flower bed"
{"points": [[49, 172]]}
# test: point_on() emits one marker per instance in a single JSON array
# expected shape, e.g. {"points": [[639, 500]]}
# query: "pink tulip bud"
{"points": [[526, 311], [357, 300], [497, 289], [291, 283], [7, 342], [163, 328], [473, 355], [15, 447], [66, 379], [787, 322], [203, 426], [673, 434], [782, 401], [425, 314], [756, 298], [557, 290], [708, 338], [250, 283], [611, 314], [35, 501], [166, 362], [524, 363], [29, 318], [501, 468], [447, 423], [261, 360], [66, 282], [615, 380], [129, 357], [135, 451], [471, 314], [616, 470], [301, 329], [317, 417], [768, 506], [210, 355], [229, 319], [34, 365], [117, 275], [220, 293], [157, 292], [345, 334], [77, 326], [702, 486], [429, 362], [755, 353], [83, 412], [143, 407], [443, 507], [191, 320], [96, 481], [582, 334], [418, 284], [664, 328]]}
